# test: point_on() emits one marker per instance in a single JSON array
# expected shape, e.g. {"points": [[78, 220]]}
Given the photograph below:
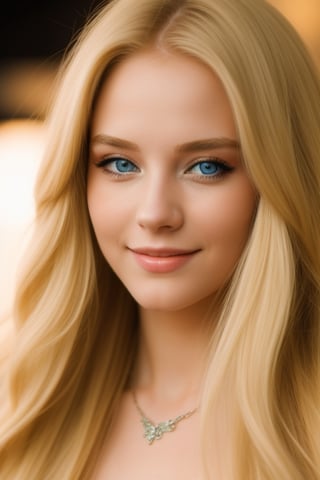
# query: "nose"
{"points": [[160, 206]]}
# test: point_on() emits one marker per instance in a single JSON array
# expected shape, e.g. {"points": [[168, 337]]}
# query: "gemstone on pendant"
{"points": [[154, 432]]}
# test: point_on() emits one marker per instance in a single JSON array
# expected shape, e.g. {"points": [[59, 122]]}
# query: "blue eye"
{"points": [[210, 168], [123, 165], [117, 165]]}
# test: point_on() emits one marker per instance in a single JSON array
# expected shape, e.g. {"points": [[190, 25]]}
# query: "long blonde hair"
{"points": [[76, 325]]}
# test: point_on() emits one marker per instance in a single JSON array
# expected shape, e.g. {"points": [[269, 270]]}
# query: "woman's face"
{"points": [[170, 201]]}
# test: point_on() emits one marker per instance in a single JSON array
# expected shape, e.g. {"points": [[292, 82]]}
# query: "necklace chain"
{"points": [[154, 431]]}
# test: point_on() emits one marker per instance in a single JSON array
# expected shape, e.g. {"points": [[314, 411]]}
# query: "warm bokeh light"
{"points": [[21, 145], [305, 17], [26, 87]]}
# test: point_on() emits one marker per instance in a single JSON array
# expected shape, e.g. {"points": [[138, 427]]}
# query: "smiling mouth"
{"points": [[162, 260], [162, 252]]}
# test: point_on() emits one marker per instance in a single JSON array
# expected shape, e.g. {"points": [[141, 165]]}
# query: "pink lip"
{"points": [[162, 260]]}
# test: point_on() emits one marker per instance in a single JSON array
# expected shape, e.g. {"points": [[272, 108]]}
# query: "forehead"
{"points": [[168, 90]]}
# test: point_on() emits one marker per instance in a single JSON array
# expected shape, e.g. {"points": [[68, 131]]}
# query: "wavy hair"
{"points": [[76, 325]]}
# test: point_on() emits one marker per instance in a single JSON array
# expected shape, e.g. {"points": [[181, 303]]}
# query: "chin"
{"points": [[171, 301], [157, 301]]}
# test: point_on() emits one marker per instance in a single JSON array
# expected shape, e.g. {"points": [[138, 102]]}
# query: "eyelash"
{"points": [[221, 166], [108, 161]]}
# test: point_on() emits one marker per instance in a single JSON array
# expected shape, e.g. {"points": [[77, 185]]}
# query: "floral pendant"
{"points": [[154, 432]]}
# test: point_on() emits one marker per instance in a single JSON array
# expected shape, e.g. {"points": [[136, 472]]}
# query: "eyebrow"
{"points": [[208, 144], [114, 142], [189, 147]]}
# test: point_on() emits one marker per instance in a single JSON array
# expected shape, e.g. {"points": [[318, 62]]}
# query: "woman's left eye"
{"points": [[209, 168]]}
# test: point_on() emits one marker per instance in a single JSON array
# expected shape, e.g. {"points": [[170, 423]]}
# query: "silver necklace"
{"points": [[154, 431]]}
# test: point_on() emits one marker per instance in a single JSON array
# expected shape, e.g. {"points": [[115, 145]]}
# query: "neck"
{"points": [[172, 355]]}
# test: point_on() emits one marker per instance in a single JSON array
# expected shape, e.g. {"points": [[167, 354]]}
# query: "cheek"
{"points": [[237, 216], [98, 204], [107, 211], [228, 217]]}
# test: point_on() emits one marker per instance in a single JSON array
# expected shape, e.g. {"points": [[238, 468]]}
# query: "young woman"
{"points": [[167, 319]]}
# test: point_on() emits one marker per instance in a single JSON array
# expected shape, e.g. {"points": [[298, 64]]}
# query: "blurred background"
{"points": [[33, 40]]}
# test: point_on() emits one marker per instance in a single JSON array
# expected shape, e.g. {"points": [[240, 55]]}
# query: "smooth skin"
{"points": [[172, 208]]}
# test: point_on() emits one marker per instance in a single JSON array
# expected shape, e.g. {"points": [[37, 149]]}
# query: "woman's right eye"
{"points": [[117, 166]]}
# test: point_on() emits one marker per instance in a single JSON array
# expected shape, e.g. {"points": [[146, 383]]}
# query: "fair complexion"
{"points": [[171, 205]]}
